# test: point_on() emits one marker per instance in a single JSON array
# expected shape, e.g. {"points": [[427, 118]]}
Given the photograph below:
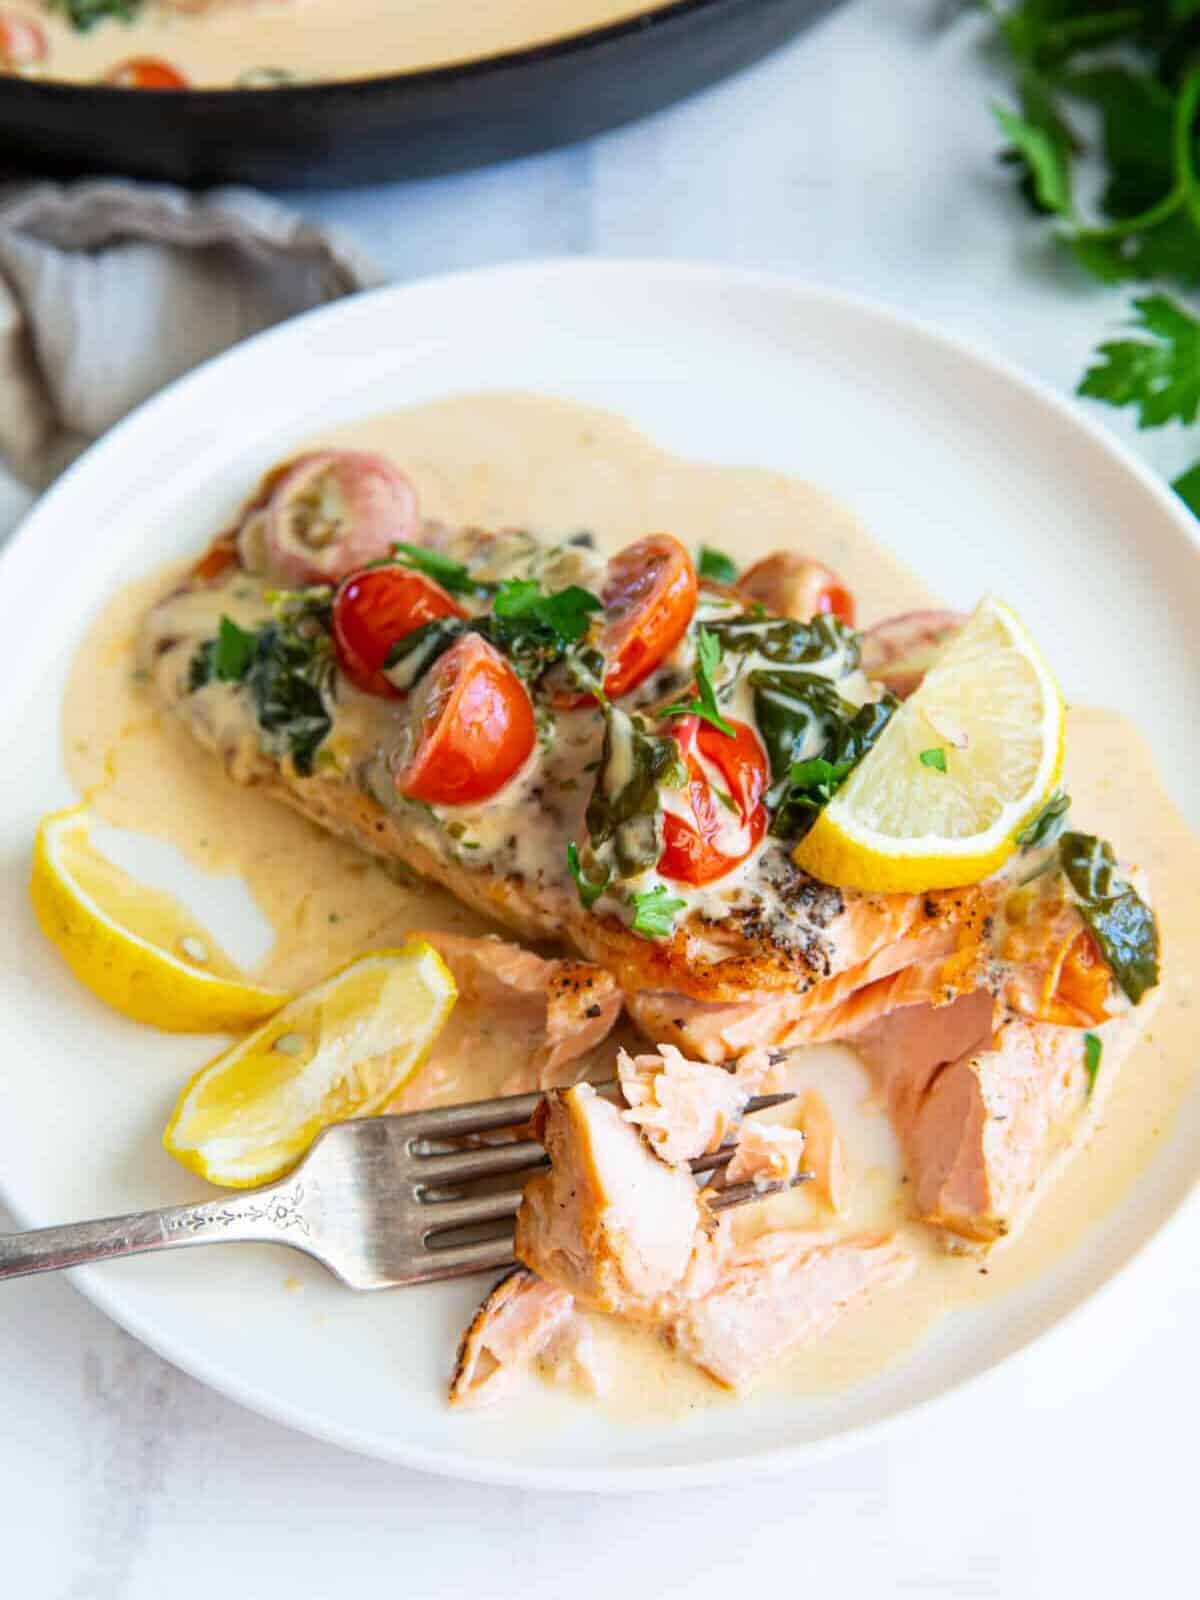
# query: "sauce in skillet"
{"points": [[215, 44], [551, 466]]}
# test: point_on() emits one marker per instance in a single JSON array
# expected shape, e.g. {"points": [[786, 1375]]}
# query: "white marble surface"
{"points": [[859, 158]]}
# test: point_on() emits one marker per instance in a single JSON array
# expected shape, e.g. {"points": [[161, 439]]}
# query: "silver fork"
{"points": [[377, 1200]]}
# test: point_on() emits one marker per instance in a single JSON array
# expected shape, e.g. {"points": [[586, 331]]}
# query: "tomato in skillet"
{"points": [[474, 727], [649, 597], [791, 585], [22, 41], [373, 609], [717, 838], [145, 72]]}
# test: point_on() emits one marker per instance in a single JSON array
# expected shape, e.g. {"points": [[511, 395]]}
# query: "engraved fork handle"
{"points": [[271, 1215]]}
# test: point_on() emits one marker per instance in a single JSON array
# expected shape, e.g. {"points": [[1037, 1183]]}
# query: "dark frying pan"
{"points": [[408, 125]]}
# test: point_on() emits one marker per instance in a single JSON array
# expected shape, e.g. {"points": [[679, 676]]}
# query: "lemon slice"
{"points": [[964, 763], [339, 1050], [135, 948]]}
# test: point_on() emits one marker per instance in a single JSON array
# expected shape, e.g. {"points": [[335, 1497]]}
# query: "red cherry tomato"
{"points": [[373, 609], [900, 650], [716, 839], [474, 727], [333, 511], [649, 597], [22, 41], [791, 585], [145, 72]]}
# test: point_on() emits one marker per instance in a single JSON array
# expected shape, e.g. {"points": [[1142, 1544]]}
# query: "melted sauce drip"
{"points": [[548, 466], [216, 44]]}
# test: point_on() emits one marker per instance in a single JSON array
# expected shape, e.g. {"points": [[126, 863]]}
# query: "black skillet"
{"points": [[408, 125]]}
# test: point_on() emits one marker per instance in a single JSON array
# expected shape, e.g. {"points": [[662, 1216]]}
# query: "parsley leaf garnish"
{"points": [[564, 613], [1093, 1048], [232, 652], [589, 892], [708, 657], [1048, 823], [935, 758], [83, 15], [452, 575], [654, 912], [1159, 376], [716, 565]]}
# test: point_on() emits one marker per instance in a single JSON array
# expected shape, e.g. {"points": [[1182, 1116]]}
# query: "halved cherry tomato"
{"points": [[1084, 979], [474, 727], [22, 41], [791, 585], [373, 609], [145, 72], [702, 850], [333, 511], [649, 597]]}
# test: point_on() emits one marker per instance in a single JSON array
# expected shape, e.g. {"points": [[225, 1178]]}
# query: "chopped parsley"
{"points": [[589, 892], [233, 651], [286, 666], [83, 15], [1093, 1048], [654, 911], [716, 565], [1048, 823], [564, 612], [935, 758], [452, 575], [704, 705]]}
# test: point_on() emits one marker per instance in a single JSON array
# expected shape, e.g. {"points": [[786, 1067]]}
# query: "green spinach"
{"points": [[1120, 920]]}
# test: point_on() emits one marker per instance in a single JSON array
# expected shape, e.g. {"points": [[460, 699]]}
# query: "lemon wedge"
{"points": [[339, 1050], [964, 763], [135, 948]]}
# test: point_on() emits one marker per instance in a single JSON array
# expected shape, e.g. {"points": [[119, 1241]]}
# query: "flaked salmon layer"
{"points": [[766, 1153], [516, 1322], [682, 1108], [984, 1103], [569, 1006], [778, 1291], [621, 1231], [618, 1229]]}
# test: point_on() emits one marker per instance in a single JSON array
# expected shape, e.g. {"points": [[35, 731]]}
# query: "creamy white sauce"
{"points": [[552, 467], [217, 43]]}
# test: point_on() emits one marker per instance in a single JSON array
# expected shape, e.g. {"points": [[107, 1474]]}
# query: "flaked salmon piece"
{"points": [[777, 1291], [682, 1108], [567, 1007], [610, 1223], [823, 1155], [574, 1360], [514, 1324], [982, 1102], [766, 1152]]}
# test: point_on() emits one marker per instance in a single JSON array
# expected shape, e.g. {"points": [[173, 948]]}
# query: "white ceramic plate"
{"points": [[977, 478]]}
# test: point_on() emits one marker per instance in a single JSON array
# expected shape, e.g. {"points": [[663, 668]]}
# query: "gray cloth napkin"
{"points": [[108, 290]]}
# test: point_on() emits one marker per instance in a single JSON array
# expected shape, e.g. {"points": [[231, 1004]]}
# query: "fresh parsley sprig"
{"points": [[716, 565], [704, 705]]}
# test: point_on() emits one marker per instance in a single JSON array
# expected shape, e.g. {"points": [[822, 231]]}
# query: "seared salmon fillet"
{"points": [[615, 754]]}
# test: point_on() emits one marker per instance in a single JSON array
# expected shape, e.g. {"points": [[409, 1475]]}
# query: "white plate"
{"points": [[976, 477]]}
